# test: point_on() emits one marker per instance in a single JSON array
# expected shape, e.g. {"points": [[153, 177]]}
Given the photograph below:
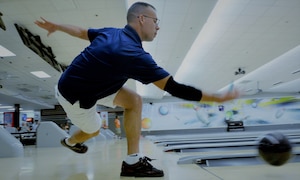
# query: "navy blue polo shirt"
{"points": [[114, 56]]}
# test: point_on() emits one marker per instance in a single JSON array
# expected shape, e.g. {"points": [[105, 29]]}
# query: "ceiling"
{"points": [[200, 42]]}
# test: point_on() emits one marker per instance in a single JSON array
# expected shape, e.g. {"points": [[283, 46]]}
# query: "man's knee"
{"points": [[137, 100], [128, 99]]}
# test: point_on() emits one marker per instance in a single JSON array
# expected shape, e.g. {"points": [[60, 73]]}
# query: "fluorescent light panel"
{"points": [[5, 107], [40, 74], [5, 52], [12, 109]]}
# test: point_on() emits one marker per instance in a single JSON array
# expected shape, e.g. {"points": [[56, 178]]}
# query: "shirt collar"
{"points": [[132, 33]]}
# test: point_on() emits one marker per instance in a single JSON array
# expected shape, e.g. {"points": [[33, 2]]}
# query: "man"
{"points": [[118, 127], [97, 76], [35, 125]]}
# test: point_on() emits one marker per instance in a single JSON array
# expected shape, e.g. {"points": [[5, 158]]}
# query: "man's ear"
{"points": [[141, 19]]}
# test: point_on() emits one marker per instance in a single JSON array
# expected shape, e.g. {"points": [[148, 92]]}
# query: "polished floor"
{"points": [[103, 161]]}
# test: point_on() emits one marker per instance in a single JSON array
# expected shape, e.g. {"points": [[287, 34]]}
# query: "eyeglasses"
{"points": [[155, 20]]}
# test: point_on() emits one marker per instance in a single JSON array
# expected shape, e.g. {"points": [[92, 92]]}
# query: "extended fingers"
{"points": [[38, 22], [43, 19]]}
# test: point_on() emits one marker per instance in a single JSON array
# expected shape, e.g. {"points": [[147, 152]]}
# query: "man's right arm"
{"points": [[66, 28], [190, 93]]}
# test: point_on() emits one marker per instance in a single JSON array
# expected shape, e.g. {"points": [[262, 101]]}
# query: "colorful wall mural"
{"points": [[193, 115]]}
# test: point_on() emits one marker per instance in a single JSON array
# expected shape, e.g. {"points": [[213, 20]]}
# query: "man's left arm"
{"points": [[72, 30]]}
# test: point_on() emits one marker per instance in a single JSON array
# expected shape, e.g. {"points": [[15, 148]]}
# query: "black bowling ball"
{"points": [[275, 148]]}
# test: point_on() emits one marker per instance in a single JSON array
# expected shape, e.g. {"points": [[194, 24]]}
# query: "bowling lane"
{"points": [[288, 171], [161, 139], [222, 149], [221, 146], [217, 141], [231, 159]]}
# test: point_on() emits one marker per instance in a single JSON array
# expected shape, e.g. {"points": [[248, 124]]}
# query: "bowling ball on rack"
{"points": [[146, 123], [275, 148], [163, 110]]}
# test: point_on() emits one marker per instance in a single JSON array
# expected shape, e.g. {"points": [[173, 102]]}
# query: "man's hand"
{"points": [[230, 95], [47, 25], [220, 98]]}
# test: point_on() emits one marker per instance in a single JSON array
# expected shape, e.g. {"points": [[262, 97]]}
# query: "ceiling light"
{"points": [[239, 71], [13, 109], [5, 107], [26, 111], [5, 52], [40, 74]]}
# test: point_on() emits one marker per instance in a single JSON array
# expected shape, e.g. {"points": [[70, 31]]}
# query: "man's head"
{"points": [[142, 17]]}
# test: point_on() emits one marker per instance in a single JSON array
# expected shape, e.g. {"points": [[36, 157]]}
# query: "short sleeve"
{"points": [[145, 70], [92, 34]]}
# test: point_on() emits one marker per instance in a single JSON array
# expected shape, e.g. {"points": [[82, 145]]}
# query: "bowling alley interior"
{"points": [[247, 46]]}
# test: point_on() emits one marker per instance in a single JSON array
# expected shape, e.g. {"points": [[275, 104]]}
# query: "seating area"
{"points": [[25, 137]]}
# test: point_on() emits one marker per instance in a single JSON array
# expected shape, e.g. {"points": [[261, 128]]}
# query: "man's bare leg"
{"points": [[132, 104], [134, 165], [74, 142], [79, 136]]}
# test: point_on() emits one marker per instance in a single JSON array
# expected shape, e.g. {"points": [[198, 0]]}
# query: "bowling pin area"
{"points": [[214, 154]]}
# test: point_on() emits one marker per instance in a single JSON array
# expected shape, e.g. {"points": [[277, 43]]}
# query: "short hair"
{"points": [[137, 8]]}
